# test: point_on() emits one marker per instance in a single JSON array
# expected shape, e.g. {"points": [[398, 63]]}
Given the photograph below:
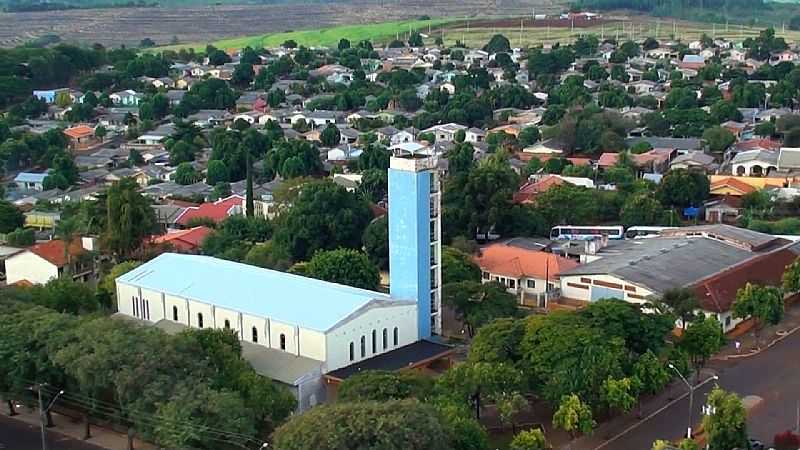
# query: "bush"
{"points": [[21, 238]]}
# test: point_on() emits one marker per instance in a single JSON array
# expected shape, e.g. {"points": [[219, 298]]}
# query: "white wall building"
{"points": [[310, 325]]}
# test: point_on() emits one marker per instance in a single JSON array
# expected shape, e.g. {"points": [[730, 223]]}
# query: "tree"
{"points": [[680, 302], [681, 188], [528, 136], [186, 174], [135, 158], [727, 427], [415, 40], [382, 386], [532, 439], [344, 266], [249, 197], [344, 44], [651, 373], [702, 338], [573, 416], [791, 277], [10, 217], [718, 139], [764, 304], [684, 444], [620, 394], [216, 172], [406, 424], [458, 266], [498, 44], [330, 136], [498, 341], [21, 238], [323, 216], [471, 383], [107, 288], [642, 209], [293, 158], [129, 217], [243, 75], [765, 129], [66, 296], [376, 242], [476, 304]]}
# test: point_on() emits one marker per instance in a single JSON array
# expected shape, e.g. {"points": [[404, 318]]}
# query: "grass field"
{"points": [[635, 28], [326, 37], [477, 33]]}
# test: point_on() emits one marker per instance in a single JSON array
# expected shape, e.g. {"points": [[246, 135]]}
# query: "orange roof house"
{"points": [[503, 260], [216, 211], [80, 136], [731, 186], [530, 190], [184, 241], [41, 262]]}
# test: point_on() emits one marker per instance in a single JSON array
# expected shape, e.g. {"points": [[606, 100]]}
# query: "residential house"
{"points": [[48, 260], [128, 97], [80, 137], [445, 132], [531, 275], [29, 181], [216, 211], [182, 241]]}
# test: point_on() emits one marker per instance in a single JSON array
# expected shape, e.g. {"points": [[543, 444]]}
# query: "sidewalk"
{"points": [[67, 426], [768, 336]]}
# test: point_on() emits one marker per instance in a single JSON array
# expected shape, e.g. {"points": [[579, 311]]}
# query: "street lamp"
{"points": [[691, 397], [43, 411]]}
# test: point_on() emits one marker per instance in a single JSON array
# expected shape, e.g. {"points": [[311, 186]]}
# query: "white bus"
{"points": [[645, 232], [576, 233]]}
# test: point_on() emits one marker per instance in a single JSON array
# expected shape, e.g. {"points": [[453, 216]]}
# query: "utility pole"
{"points": [[42, 418]]}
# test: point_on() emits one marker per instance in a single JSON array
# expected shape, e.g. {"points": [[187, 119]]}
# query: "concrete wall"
{"points": [[29, 266], [404, 317], [592, 287]]}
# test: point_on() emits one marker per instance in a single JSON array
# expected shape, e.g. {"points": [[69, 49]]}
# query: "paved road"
{"points": [[772, 375], [16, 435]]}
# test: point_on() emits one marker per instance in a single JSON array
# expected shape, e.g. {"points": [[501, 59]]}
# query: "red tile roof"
{"points": [[502, 259], [184, 240], [718, 292], [53, 251], [733, 183], [81, 131], [756, 144], [216, 211], [607, 159], [531, 189]]}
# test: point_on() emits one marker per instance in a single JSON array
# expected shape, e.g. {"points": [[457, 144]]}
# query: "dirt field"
{"points": [[113, 27]]}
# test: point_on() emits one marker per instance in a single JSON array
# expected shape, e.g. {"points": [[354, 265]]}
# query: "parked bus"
{"points": [[645, 232], [576, 233]]}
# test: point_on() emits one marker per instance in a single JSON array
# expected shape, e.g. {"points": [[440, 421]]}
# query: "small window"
{"points": [[175, 313], [531, 284], [283, 341], [728, 321], [135, 307], [374, 341], [227, 324], [486, 275], [199, 320], [512, 283], [385, 338], [146, 310], [352, 351], [363, 347], [396, 336], [255, 335]]}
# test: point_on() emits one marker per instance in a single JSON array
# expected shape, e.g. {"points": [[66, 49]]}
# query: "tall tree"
{"points": [[129, 217], [727, 427], [250, 208], [573, 416], [764, 304], [702, 339], [680, 302], [476, 304], [344, 266]]}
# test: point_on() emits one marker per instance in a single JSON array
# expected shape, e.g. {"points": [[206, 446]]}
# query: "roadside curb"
{"points": [[758, 352]]}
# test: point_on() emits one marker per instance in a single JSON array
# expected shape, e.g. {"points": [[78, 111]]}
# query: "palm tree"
{"points": [[680, 302], [67, 231]]}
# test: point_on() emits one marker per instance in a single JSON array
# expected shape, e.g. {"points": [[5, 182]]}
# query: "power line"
{"points": [[147, 419]]}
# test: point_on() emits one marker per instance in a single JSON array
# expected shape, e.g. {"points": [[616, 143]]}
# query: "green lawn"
{"points": [[322, 37]]}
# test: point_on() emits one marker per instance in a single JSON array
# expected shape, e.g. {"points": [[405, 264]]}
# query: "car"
{"points": [[755, 444]]}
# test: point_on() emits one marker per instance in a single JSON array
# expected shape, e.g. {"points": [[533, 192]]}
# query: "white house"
{"points": [[310, 324], [46, 261]]}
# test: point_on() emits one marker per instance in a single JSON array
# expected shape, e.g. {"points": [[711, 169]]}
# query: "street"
{"points": [[771, 375], [16, 435]]}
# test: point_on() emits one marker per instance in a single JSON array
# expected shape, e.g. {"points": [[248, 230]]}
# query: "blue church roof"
{"points": [[292, 299]]}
